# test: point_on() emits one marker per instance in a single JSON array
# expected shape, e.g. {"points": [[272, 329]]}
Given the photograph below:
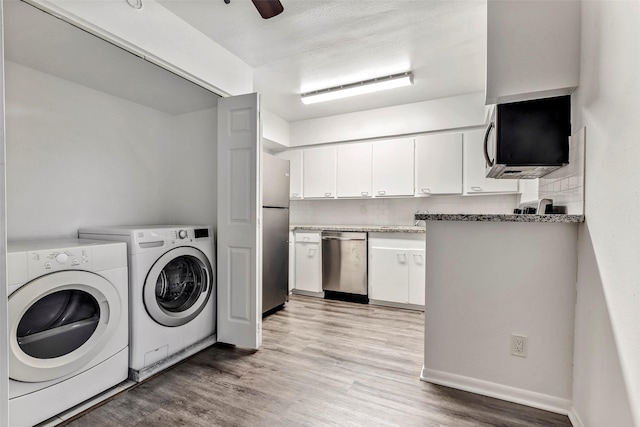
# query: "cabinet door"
{"points": [[354, 170], [389, 275], [416, 277], [319, 172], [308, 267], [474, 168], [439, 164], [393, 167], [295, 172]]}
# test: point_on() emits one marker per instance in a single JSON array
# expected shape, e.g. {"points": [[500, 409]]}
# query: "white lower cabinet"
{"points": [[388, 275], [417, 276], [308, 263], [397, 268]]}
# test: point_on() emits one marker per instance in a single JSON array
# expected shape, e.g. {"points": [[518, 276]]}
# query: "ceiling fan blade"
{"points": [[268, 8]]}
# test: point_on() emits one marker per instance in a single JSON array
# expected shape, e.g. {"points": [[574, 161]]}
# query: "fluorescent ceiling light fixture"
{"points": [[368, 86]]}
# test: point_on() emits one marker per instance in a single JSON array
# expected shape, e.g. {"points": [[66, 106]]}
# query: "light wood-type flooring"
{"points": [[322, 363]]}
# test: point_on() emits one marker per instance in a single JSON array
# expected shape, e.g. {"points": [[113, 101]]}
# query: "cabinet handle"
{"points": [[402, 258], [476, 188], [382, 192], [418, 258], [312, 252], [294, 194], [426, 190], [327, 194], [365, 193], [306, 239]]}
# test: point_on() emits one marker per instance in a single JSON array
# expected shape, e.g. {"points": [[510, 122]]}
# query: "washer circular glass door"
{"points": [[178, 286], [58, 323]]}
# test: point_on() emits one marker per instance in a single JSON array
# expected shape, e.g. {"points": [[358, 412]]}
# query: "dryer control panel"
{"points": [[48, 261]]}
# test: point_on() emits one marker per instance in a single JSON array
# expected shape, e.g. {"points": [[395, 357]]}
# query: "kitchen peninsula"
{"points": [[490, 279]]}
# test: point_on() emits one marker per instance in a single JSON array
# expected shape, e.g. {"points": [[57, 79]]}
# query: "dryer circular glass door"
{"points": [[58, 323], [178, 286]]}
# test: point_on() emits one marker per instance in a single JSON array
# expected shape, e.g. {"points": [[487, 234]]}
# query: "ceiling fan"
{"points": [[266, 8]]}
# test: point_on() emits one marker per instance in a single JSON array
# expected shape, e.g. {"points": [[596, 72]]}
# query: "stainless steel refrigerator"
{"points": [[275, 233]]}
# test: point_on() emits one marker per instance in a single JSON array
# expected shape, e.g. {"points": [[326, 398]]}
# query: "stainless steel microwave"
{"points": [[528, 139]]}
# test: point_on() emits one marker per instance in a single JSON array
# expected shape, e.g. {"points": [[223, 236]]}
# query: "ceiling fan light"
{"points": [[268, 8], [360, 88]]}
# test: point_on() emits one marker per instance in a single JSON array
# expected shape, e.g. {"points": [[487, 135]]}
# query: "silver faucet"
{"points": [[418, 222]]}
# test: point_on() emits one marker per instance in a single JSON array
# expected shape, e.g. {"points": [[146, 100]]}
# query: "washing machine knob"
{"points": [[182, 234], [62, 258]]}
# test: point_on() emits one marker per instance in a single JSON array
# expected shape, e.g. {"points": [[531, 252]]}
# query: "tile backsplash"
{"points": [[565, 186], [391, 211]]}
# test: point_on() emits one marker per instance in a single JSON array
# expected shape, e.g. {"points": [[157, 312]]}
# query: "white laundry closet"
{"points": [[96, 135]]}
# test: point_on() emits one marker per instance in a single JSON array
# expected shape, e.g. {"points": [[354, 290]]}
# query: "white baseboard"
{"points": [[574, 418], [499, 391]]}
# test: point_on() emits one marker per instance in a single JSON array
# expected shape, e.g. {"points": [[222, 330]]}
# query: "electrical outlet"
{"points": [[518, 345]]}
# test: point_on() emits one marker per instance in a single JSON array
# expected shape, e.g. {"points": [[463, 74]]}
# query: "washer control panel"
{"points": [[48, 261]]}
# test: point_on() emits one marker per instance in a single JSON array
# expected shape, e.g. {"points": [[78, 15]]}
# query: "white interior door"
{"points": [[239, 248]]}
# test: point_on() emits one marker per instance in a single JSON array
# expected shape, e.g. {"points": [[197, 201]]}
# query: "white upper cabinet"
{"points": [[354, 170], [475, 181], [439, 164], [319, 172], [295, 172], [533, 49], [393, 167]]}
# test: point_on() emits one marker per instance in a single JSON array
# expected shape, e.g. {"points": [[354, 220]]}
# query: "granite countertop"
{"points": [[361, 228], [555, 218]]}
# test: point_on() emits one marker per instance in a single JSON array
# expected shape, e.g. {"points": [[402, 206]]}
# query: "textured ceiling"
{"points": [[316, 44]]}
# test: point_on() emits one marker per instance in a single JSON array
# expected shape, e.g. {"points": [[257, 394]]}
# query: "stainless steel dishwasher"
{"points": [[344, 263]]}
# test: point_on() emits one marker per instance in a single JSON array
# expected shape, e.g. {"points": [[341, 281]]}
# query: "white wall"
{"points": [[192, 190], [607, 341], [439, 114], [600, 396], [161, 37], [275, 129], [486, 281], [77, 157], [393, 211]]}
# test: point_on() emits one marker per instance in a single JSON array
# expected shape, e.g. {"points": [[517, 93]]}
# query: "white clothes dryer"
{"points": [[172, 292], [68, 324]]}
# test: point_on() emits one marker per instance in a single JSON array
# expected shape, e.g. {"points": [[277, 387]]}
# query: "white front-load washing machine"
{"points": [[172, 298], [68, 324]]}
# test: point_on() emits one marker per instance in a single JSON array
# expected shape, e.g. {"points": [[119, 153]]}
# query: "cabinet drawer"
{"points": [[302, 237]]}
